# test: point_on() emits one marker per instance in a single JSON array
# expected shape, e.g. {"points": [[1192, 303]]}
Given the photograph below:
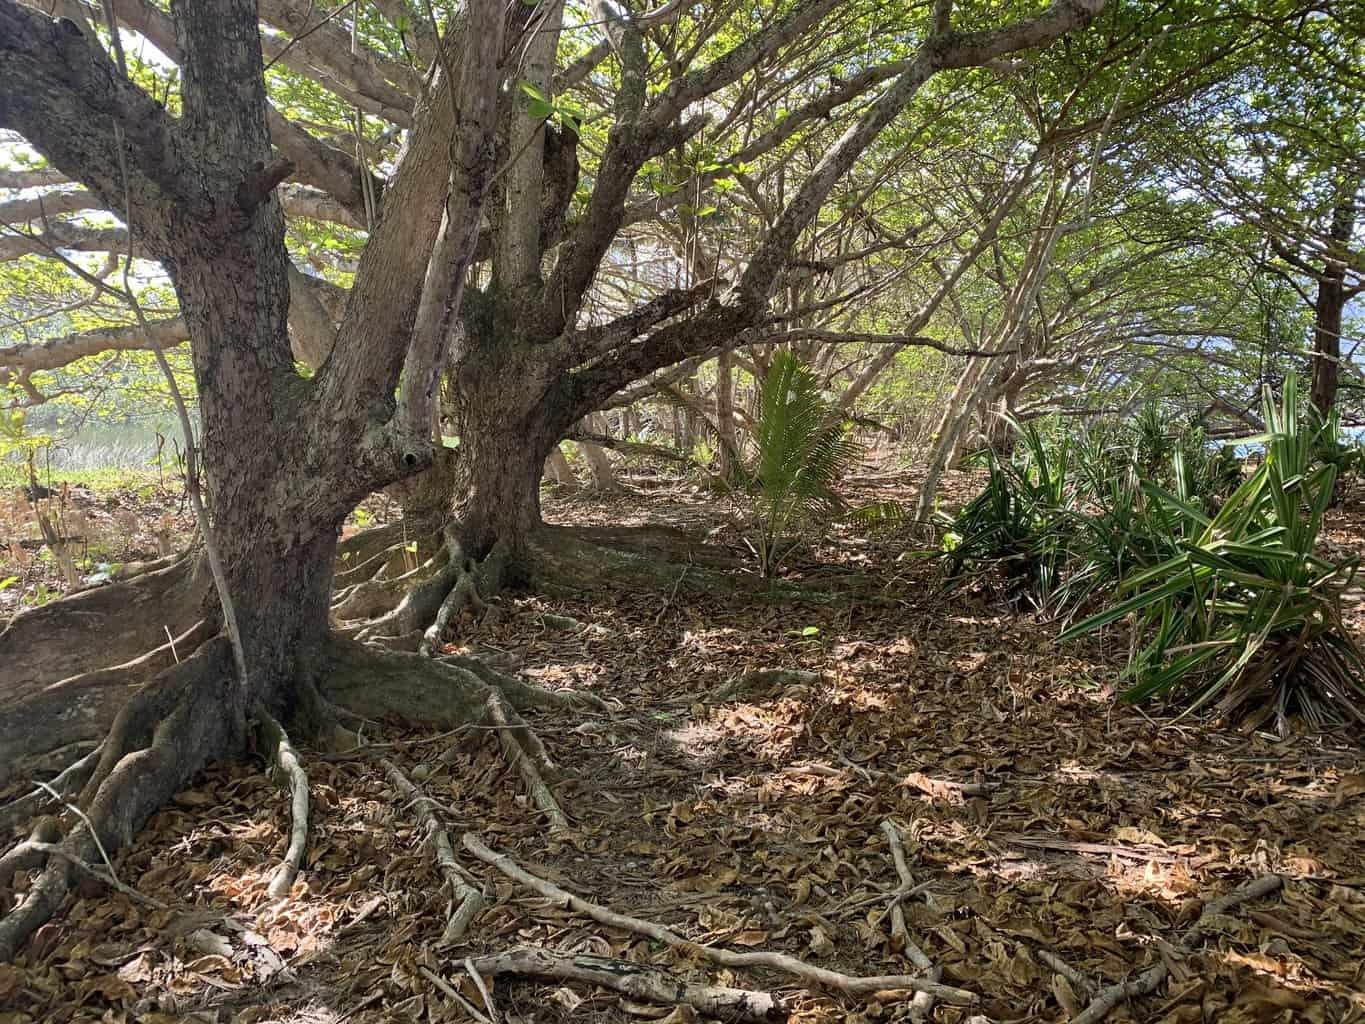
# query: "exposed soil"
{"points": [[746, 811]]}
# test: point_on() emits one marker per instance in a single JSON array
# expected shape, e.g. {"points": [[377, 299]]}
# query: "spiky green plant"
{"points": [[1246, 617], [1019, 522], [803, 449]]}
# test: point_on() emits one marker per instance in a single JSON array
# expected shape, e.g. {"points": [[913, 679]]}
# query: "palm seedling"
{"points": [[1018, 521], [803, 449]]}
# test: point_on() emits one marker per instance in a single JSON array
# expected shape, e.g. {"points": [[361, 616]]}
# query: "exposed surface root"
{"points": [[821, 977], [466, 898], [27, 855], [464, 594], [418, 600], [397, 685], [287, 771], [922, 1006], [639, 981], [130, 619], [449, 693], [526, 754], [524, 695], [359, 548], [1150, 980], [160, 739]]}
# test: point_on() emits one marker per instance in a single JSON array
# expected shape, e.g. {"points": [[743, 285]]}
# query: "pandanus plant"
{"points": [[1245, 617]]}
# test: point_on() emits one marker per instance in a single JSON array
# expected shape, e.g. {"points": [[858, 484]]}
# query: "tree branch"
{"points": [[61, 92], [55, 353]]}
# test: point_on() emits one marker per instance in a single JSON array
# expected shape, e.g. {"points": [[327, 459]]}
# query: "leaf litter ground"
{"points": [[737, 793]]}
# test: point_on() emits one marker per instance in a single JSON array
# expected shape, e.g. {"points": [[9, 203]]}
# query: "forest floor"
{"points": [[746, 811]]}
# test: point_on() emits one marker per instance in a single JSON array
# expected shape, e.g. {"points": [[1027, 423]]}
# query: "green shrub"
{"points": [[1018, 522], [1244, 616]]}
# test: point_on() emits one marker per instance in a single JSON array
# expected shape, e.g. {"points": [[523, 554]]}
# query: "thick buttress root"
{"points": [[60, 689], [405, 596], [186, 709], [160, 739]]}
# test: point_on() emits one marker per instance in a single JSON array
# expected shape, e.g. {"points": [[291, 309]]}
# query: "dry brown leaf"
{"points": [[1066, 996], [820, 943], [11, 980]]}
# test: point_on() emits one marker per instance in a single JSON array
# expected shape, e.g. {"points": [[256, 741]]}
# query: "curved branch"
{"points": [[318, 164], [60, 235], [939, 53], [39, 178], [320, 45], [47, 204], [55, 353], [312, 331], [62, 93]]}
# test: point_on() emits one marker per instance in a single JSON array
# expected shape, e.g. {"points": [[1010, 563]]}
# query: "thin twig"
{"points": [[450, 992], [99, 874], [482, 987], [94, 835]]}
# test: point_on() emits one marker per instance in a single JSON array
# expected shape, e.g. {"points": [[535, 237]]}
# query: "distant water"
{"points": [[131, 445]]}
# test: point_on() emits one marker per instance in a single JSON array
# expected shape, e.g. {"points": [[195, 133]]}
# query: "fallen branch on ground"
{"points": [[466, 899], [639, 981], [922, 1006], [287, 771], [1149, 980], [945, 788], [847, 984]]}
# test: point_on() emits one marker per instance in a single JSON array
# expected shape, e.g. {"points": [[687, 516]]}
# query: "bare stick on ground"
{"points": [[466, 899], [474, 1012], [922, 1006], [1149, 980], [639, 981], [834, 981], [1079, 980], [287, 770]]}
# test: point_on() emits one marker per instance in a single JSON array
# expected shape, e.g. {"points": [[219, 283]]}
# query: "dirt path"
{"points": [[744, 807]]}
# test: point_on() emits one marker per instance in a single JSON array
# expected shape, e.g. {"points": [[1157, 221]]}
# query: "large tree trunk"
{"points": [[510, 416], [1327, 310]]}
